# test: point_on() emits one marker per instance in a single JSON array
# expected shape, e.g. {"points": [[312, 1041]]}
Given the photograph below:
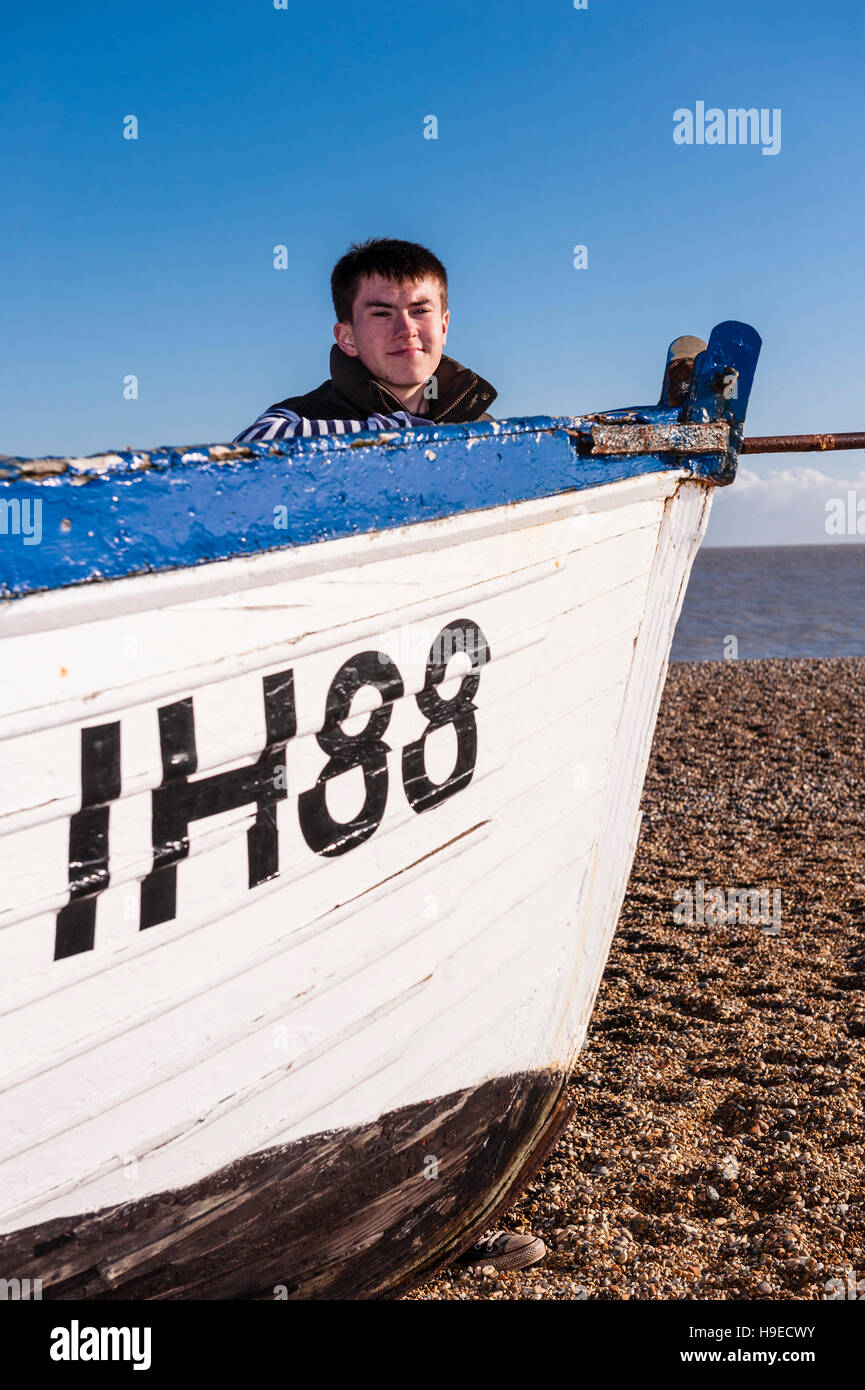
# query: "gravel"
{"points": [[717, 1148]]}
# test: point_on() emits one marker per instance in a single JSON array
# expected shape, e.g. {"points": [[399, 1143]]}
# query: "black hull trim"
{"points": [[352, 1214]]}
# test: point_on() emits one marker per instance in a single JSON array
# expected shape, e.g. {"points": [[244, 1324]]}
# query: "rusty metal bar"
{"points": [[802, 443], [629, 438]]}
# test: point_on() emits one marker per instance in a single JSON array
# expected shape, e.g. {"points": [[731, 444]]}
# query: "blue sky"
{"points": [[304, 127]]}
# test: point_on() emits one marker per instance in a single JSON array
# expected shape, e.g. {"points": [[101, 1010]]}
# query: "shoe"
{"points": [[504, 1250]]}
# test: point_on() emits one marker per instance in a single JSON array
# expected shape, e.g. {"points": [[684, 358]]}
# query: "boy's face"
{"points": [[397, 329]]}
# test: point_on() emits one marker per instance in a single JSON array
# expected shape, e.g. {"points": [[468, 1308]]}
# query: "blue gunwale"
{"points": [[129, 513]]}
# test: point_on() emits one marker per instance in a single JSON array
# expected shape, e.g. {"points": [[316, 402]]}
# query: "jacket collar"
{"points": [[462, 394]]}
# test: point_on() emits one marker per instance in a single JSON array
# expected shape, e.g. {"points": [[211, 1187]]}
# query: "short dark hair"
{"points": [[393, 260]]}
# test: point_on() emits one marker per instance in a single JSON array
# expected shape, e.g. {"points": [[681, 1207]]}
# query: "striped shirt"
{"points": [[279, 423]]}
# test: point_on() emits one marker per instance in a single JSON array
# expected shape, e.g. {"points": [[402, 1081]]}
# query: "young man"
{"points": [[388, 371], [387, 366]]}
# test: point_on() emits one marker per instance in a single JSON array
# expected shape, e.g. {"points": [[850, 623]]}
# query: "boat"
{"points": [[320, 778]]}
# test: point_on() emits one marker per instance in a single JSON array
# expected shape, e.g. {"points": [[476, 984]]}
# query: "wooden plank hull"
{"points": [[191, 1020]]}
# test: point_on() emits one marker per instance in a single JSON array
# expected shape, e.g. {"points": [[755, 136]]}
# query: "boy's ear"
{"points": [[446, 318], [345, 338]]}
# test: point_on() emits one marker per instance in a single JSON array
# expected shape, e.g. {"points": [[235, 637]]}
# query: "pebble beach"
{"points": [[717, 1147]]}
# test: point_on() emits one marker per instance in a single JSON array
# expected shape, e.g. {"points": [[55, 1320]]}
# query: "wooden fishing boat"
{"points": [[320, 769]]}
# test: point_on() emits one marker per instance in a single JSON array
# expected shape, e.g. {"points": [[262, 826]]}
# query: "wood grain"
{"points": [[349, 1214]]}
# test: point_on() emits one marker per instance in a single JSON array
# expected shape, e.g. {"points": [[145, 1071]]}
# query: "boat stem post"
{"points": [[721, 384]]}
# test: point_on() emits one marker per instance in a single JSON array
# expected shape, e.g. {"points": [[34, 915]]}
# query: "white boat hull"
{"points": [[457, 944]]}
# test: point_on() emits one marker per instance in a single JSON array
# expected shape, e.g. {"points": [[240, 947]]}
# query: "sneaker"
{"points": [[504, 1250]]}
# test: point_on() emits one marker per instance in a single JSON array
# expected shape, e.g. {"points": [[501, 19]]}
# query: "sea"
{"points": [[773, 600]]}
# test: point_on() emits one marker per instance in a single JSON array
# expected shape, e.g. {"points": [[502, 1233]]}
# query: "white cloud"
{"points": [[784, 506]]}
